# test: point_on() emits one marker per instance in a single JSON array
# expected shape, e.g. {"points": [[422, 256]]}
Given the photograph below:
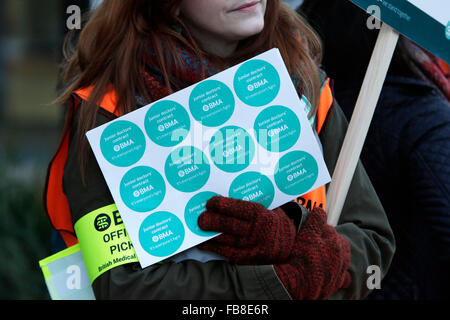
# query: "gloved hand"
{"points": [[318, 265], [251, 234]]}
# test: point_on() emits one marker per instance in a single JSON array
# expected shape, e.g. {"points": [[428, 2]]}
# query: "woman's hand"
{"points": [[251, 234], [318, 265], [311, 264]]}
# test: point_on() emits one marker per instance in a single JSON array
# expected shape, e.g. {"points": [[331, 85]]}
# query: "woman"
{"points": [[138, 51]]}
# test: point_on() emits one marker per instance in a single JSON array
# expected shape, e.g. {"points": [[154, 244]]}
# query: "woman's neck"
{"points": [[211, 43]]}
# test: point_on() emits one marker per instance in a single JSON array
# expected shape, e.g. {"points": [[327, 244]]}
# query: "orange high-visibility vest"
{"points": [[55, 200]]}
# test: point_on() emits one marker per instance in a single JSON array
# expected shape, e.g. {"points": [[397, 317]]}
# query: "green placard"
{"points": [[426, 22]]}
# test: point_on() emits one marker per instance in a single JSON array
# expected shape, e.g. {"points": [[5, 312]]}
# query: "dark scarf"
{"points": [[192, 73], [155, 83]]}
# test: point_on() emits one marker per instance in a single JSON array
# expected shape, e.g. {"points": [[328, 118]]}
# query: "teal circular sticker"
{"points": [[142, 189], [161, 234], [167, 123], [211, 103], [257, 83], [253, 186], [277, 128], [194, 208], [187, 169], [296, 173], [122, 143], [232, 149]]}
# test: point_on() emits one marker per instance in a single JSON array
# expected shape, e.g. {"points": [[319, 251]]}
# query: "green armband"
{"points": [[104, 241]]}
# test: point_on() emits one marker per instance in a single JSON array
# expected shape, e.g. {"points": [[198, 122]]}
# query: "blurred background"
{"points": [[31, 37]]}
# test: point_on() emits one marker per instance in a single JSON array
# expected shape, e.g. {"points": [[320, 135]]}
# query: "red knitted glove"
{"points": [[251, 234], [319, 260]]}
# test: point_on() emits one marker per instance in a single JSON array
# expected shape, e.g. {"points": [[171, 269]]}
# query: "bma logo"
{"points": [[102, 222]]}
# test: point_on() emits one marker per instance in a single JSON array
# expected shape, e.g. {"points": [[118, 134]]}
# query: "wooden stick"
{"points": [[360, 122]]}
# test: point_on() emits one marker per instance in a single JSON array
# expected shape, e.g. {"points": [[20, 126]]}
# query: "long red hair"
{"points": [[111, 47]]}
